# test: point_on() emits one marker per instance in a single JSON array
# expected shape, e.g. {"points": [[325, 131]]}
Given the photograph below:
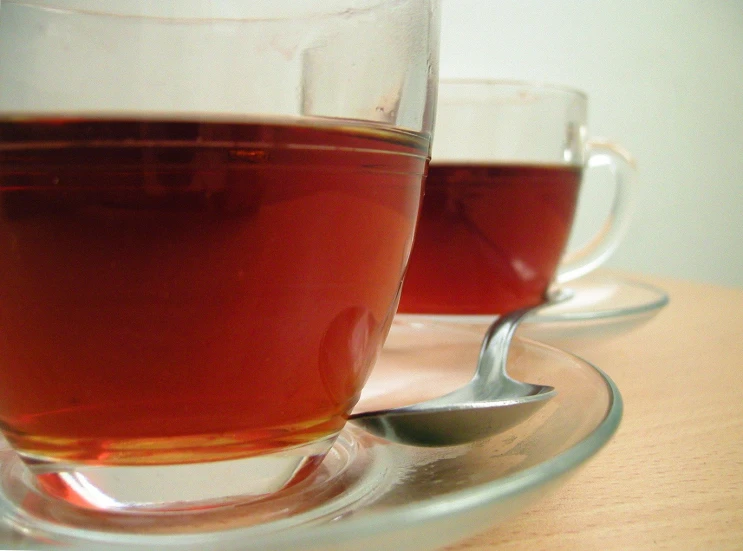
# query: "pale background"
{"points": [[665, 79]]}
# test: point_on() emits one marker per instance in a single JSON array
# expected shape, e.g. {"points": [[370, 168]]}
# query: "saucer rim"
{"points": [[661, 301], [468, 499]]}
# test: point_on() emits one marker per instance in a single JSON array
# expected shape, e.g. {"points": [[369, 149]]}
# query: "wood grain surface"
{"points": [[672, 477]]}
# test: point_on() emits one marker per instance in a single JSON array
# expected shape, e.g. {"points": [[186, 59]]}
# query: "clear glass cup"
{"points": [[501, 196], [206, 209]]}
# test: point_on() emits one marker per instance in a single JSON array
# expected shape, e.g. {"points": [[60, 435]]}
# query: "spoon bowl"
{"points": [[489, 403], [452, 425]]}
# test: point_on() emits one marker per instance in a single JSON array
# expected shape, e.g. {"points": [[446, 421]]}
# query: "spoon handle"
{"points": [[491, 369], [491, 373]]}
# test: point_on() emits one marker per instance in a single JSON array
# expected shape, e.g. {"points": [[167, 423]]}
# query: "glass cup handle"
{"points": [[600, 153]]}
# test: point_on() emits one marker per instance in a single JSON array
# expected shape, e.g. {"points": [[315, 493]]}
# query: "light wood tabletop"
{"points": [[672, 477]]}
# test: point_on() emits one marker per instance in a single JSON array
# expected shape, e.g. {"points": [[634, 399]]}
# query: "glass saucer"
{"points": [[600, 306], [379, 494]]}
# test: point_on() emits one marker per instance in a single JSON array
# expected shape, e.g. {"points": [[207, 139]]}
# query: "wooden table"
{"points": [[672, 477]]}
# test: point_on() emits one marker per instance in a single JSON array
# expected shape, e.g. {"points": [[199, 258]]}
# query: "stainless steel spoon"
{"points": [[490, 403]]}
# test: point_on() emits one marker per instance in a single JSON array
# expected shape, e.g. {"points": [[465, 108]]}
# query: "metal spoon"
{"points": [[490, 403]]}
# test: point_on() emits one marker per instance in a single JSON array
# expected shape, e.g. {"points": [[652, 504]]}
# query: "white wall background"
{"points": [[665, 79]]}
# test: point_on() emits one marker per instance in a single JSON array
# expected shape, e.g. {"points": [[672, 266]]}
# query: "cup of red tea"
{"points": [[206, 209], [501, 196]]}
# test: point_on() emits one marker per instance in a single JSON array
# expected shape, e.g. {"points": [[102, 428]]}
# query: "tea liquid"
{"points": [[189, 291], [490, 237]]}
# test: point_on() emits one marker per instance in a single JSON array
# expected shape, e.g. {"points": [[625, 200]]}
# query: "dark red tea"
{"points": [[174, 292], [490, 237]]}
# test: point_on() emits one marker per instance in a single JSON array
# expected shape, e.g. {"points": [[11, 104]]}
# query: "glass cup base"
{"points": [[169, 488], [336, 482]]}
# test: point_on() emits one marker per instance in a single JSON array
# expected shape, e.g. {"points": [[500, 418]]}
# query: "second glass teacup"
{"points": [[501, 196]]}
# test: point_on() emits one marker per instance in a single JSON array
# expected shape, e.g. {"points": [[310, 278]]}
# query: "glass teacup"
{"points": [[206, 210], [501, 197]]}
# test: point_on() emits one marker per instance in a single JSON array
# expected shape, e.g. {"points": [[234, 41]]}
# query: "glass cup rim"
{"points": [[514, 84], [142, 9]]}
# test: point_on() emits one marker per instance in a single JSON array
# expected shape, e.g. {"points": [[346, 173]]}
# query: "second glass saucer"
{"points": [[601, 306]]}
